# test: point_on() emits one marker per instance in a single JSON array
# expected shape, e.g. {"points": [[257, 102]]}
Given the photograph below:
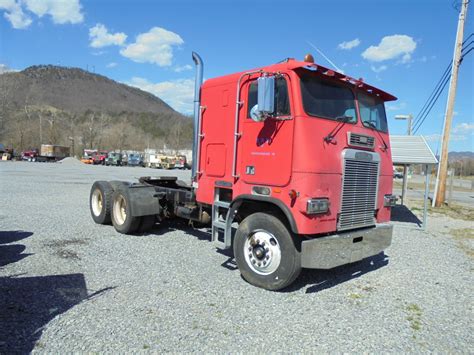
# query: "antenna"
{"points": [[329, 60]]}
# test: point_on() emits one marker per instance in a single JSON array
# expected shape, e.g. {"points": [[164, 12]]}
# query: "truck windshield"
{"points": [[372, 112], [326, 99]]}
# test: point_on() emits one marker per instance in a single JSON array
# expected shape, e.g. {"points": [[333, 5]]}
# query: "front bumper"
{"points": [[345, 248]]}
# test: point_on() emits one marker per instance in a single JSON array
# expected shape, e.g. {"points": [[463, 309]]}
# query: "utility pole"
{"points": [[440, 190]]}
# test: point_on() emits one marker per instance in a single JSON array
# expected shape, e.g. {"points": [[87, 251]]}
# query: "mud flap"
{"points": [[144, 200]]}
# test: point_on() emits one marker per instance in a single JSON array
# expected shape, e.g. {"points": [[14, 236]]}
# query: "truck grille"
{"points": [[359, 194], [360, 140]]}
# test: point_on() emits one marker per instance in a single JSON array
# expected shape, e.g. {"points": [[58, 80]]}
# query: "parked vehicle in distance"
{"points": [[159, 160], [87, 160], [151, 159], [181, 162], [88, 156], [167, 161], [114, 158], [29, 155], [6, 156], [397, 175], [52, 152], [99, 157], [134, 159]]}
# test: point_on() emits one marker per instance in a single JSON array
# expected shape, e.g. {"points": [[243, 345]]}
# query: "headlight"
{"points": [[317, 206], [389, 200]]}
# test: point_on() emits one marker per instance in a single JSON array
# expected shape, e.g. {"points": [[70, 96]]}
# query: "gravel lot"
{"points": [[67, 284]]}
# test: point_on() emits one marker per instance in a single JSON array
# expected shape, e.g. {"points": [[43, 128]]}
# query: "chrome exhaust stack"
{"points": [[197, 103]]}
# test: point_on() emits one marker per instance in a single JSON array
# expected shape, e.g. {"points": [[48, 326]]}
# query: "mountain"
{"points": [[76, 90], [58, 105], [455, 156]]}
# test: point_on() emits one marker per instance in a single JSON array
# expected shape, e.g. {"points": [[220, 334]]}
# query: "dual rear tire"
{"points": [[110, 204]]}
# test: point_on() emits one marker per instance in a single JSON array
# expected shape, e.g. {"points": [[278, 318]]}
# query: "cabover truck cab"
{"points": [[291, 167]]}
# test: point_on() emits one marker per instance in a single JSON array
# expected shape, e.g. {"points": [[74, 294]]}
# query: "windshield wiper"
{"points": [[369, 124], [342, 120]]}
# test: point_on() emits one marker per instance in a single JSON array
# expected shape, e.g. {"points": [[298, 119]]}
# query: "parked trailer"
{"points": [[295, 154], [52, 152]]}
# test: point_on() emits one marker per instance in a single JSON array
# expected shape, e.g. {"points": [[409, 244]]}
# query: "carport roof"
{"points": [[411, 150]]}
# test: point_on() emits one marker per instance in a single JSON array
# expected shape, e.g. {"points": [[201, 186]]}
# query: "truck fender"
{"points": [[143, 200], [276, 202]]}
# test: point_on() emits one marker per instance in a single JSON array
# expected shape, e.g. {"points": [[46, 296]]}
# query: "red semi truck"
{"points": [[294, 156]]}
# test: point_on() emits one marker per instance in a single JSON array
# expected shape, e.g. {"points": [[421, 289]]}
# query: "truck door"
{"points": [[267, 146]]}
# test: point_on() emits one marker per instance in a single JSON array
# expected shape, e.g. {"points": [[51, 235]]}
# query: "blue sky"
{"points": [[401, 46]]}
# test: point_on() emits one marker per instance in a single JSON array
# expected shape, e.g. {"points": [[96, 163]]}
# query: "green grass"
{"points": [[414, 314], [355, 296], [454, 211]]}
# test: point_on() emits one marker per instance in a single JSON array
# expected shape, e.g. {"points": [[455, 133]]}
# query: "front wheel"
{"points": [[265, 252]]}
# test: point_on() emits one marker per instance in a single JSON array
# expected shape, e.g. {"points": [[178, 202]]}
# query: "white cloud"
{"points": [[154, 46], [6, 69], [111, 65], [61, 11], [391, 47], [182, 68], [378, 69], [176, 93], [14, 14], [463, 128], [100, 37], [349, 44]]}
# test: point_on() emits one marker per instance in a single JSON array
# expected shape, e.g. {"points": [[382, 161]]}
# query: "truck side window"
{"points": [[252, 98], [282, 100]]}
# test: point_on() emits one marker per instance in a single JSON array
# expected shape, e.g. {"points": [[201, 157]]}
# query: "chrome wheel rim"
{"points": [[97, 202], [262, 252], [120, 210]]}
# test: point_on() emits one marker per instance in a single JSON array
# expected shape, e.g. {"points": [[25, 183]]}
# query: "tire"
{"points": [[100, 202], [122, 218], [265, 252]]}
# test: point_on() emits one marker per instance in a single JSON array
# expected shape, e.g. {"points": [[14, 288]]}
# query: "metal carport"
{"points": [[411, 150]]}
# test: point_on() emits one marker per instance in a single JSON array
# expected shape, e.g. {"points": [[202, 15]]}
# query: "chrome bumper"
{"points": [[345, 248]]}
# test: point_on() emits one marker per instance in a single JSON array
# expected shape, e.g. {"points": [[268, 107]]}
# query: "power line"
{"points": [[439, 88], [433, 93], [440, 91], [466, 53], [472, 34]]}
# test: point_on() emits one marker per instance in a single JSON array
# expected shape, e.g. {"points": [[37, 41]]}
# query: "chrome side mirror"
{"points": [[266, 99]]}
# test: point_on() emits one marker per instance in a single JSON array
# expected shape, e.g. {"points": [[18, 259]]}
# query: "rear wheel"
{"points": [[122, 218], [265, 252], [100, 202]]}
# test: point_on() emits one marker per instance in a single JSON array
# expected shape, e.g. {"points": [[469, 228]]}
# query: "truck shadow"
{"points": [[401, 213], [313, 280], [319, 280], [28, 304], [12, 253]]}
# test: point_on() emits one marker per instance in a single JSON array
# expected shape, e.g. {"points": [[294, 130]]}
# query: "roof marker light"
{"points": [[308, 58]]}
